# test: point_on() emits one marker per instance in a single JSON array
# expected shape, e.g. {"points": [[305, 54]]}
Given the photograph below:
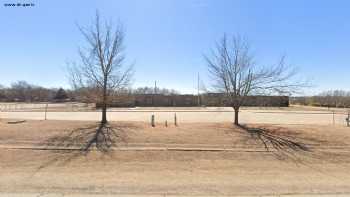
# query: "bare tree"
{"points": [[101, 73], [231, 65], [102, 63], [2, 93]]}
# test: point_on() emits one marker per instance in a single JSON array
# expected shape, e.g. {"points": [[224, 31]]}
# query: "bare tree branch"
{"points": [[232, 67], [101, 66]]}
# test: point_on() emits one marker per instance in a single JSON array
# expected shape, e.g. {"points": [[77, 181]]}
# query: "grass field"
{"points": [[204, 156]]}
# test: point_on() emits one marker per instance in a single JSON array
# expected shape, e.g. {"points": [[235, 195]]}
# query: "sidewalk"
{"points": [[160, 195]]}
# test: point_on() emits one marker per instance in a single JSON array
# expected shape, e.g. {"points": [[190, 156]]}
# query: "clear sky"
{"points": [[167, 38]]}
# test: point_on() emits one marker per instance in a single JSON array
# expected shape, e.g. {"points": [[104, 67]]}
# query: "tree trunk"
{"points": [[104, 113], [104, 103], [236, 115]]}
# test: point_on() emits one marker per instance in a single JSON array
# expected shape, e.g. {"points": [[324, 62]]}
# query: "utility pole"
{"points": [[198, 99], [155, 87]]}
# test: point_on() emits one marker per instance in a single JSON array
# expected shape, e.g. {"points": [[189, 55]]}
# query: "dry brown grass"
{"points": [[245, 168]]}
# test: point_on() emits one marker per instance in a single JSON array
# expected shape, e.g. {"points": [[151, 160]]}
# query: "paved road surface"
{"points": [[246, 116]]}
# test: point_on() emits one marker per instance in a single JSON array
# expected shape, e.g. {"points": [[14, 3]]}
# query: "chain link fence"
{"points": [[37, 107], [60, 111]]}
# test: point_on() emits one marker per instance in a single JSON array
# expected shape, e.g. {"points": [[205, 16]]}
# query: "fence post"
{"points": [[175, 120], [152, 121], [46, 106]]}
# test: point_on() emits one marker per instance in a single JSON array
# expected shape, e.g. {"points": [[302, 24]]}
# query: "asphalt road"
{"points": [[246, 116]]}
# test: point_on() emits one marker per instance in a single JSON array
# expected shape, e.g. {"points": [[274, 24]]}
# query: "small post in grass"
{"points": [[46, 106], [175, 120], [152, 121], [166, 123], [348, 120]]}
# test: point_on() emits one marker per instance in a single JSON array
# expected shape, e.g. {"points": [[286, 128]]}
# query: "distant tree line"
{"points": [[22, 91], [151, 90], [330, 98]]}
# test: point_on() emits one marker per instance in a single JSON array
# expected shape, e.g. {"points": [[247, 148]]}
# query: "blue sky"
{"points": [[167, 38]]}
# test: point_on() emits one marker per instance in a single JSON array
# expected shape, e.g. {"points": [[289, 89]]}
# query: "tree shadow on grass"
{"points": [[288, 146], [80, 142], [283, 146]]}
